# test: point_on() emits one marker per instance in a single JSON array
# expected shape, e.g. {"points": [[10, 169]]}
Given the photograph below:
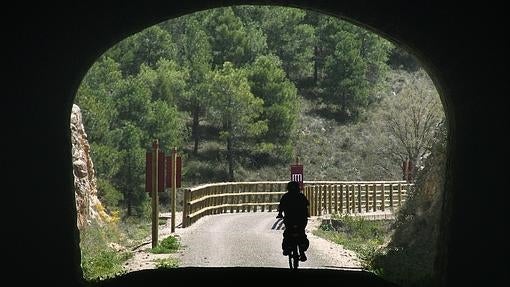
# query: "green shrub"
{"points": [[167, 245], [365, 237], [99, 260], [167, 263], [134, 230], [102, 265]]}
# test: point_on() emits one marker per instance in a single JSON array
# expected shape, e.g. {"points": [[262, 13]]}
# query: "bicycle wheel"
{"points": [[294, 258]]}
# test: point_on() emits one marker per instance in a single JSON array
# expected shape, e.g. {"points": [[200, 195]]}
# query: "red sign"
{"points": [[148, 172], [296, 174], [160, 170], [169, 177]]}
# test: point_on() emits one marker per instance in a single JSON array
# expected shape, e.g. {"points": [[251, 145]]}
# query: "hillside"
{"points": [[328, 149]]}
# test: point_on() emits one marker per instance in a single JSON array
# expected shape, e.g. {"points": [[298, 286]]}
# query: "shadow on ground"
{"points": [[238, 276]]}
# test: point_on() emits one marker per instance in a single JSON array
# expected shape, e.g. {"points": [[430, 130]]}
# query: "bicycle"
{"points": [[292, 243]]}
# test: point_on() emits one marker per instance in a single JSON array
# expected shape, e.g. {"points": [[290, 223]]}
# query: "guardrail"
{"points": [[324, 196]]}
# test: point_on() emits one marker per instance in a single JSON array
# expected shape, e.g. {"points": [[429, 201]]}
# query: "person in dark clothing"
{"points": [[293, 208]]}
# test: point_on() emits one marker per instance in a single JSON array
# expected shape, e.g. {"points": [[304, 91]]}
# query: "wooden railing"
{"points": [[355, 196], [231, 197], [324, 196]]}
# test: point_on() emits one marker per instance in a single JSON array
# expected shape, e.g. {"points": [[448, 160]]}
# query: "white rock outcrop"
{"points": [[88, 206]]}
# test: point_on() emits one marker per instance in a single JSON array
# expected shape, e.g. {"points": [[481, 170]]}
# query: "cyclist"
{"points": [[294, 206]]}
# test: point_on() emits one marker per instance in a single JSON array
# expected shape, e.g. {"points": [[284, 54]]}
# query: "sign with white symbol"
{"points": [[296, 174]]}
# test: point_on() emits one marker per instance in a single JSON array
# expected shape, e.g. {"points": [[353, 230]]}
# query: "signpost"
{"points": [[155, 200], [173, 180], [155, 163], [296, 173]]}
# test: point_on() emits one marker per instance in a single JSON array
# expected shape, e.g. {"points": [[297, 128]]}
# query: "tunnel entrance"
{"points": [[171, 77]]}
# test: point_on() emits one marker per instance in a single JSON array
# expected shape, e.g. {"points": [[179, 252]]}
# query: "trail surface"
{"points": [[244, 240]]}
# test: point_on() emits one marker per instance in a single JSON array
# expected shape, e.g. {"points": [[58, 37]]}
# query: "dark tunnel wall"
{"points": [[50, 47]]}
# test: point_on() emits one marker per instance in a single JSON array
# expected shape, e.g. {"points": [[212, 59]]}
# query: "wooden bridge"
{"points": [[326, 197]]}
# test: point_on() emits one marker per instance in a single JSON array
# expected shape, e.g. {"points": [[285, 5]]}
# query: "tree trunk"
{"points": [[129, 203], [195, 127], [315, 65], [130, 191], [230, 158]]}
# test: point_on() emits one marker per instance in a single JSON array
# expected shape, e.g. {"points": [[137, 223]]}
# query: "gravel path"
{"points": [[244, 240]]}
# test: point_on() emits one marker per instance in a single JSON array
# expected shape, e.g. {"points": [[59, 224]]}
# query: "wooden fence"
{"points": [[326, 197], [355, 196]]}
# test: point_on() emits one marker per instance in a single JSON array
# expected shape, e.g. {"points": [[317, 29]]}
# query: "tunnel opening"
{"points": [[324, 110]]}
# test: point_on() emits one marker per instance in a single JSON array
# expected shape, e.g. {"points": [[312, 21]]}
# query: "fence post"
{"points": [[336, 199], [399, 194], [382, 196], [374, 198], [230, 196], [212, 200], [315, 200], [367, 201], [260, 198], [347, 198], [184, 208], [255, 207], [359, 198], [391, 196], [215, 199], [224, 197], [307, 195], [320, 200], [341, 198], [271, 196], [311, 200], [237, 197], [330, 199], [353, 199]]}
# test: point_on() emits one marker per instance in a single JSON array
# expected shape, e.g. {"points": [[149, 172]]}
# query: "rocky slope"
{"points": [[88, 206]]}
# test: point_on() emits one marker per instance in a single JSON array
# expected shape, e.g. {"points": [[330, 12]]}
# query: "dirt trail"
{"points": [[221, 240]]}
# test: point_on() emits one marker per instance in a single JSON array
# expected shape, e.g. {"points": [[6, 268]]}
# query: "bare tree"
{"points": [[406, 123]]}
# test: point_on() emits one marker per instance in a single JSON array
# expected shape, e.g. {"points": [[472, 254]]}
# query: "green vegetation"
{"points": [[403, 250], [408, 259], [225, 86], [167, 263], [99, 259], [168, 245], [363, 236], [106, 248]]}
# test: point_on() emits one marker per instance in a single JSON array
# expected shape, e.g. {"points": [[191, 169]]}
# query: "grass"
{"points": [[99, 258], [105, 249], [168, 245], [133, 231], [167, 263], [365, 237]]}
